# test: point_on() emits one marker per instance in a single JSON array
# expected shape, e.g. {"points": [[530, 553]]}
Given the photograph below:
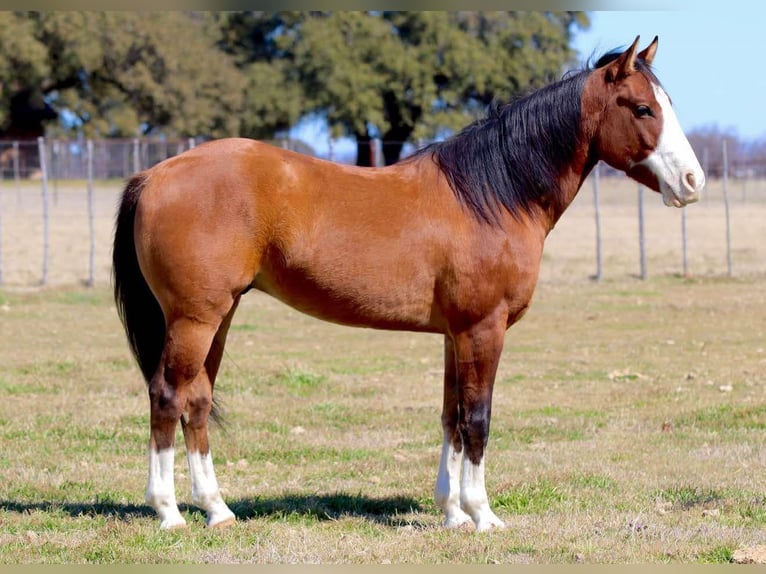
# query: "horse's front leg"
{"points": [[447, 491], [477, 351]]}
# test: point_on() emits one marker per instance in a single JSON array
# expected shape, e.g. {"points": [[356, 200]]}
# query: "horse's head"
{"points": [[636, 129]]}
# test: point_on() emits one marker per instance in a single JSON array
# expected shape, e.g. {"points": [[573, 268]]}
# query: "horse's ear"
{"points": [[647, 54], [624, 65]]}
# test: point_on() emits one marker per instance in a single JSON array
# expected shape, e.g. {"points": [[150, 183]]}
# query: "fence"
{"points": [[58, 199]]}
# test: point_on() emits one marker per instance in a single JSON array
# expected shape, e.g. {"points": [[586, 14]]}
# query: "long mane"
{"points": [[515, 155]]}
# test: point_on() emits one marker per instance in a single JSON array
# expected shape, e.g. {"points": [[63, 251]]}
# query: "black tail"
{"points": [[139, 311]]}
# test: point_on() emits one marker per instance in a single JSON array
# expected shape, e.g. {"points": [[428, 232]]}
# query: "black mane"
{"points": [[514, 156]]}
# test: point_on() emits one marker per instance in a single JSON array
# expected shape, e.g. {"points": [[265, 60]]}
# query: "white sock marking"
{"points": [[205, 491], [447, 491], [160, 488], [473, 496]]}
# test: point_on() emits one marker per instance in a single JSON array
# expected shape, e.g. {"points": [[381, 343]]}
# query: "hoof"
{"points": [[226, 522], [173, 524], [457, 520], [490, 523]]}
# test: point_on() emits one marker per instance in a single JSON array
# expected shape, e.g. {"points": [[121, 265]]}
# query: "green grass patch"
{"points": [[299, 382], [513, 379], [53, 369], [686, 497], [530, 498], [594, 481], [81, 297], [7, 388], [522, 549], [727, 418], [753, 511], [337, 416], [716, 555], [245, 327]]}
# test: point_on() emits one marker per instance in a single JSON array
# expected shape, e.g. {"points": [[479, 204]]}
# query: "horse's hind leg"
{"points": [[205, 491], [180, 380]]}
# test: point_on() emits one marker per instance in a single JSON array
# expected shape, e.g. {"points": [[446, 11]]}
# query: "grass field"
{"points": [[628, 427], [628, 420]]}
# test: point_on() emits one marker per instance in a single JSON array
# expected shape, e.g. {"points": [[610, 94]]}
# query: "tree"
{"points": [[118, 73], [24, 73], [273, 100], [399, 75]]}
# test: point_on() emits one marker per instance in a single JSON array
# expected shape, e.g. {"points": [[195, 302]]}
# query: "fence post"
{"points": [[744, 184], [136, 155], [685, 259], [705, 167], [596, 205], [54, 170], [726, 206], [192, 143], [91, 229], [1, 234], [16, 174], [641, 234], [44, 173]]}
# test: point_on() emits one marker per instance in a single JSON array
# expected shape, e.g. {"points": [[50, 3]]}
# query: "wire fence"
{"points": [[58, 199]]}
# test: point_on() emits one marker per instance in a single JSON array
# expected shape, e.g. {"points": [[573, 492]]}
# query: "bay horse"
{"points": [[447, 241]]}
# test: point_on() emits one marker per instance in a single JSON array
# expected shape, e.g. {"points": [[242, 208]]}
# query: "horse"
{"points": [[447, 241]]}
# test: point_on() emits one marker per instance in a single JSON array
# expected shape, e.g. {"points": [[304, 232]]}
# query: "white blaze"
{"points": [[673, 162]]}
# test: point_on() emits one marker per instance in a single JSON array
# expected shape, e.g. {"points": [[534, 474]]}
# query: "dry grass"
{"points": [[628, 422]]}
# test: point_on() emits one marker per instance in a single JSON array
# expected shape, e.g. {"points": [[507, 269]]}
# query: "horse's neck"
{"points": [[553, 205]]}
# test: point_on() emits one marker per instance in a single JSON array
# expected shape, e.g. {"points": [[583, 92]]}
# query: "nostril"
{"points": [[691, 181]]}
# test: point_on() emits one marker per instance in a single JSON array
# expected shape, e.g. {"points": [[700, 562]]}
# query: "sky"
{"points": [[710, 61]]}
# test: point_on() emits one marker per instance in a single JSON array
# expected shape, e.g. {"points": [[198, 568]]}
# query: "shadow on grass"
{"points": [[386, 511], [75, 509], [319, 507]]}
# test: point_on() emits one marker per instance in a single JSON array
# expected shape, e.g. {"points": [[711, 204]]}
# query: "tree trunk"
{"points": [[364, 150], [28, 115], [393, 142], [400, 130]]}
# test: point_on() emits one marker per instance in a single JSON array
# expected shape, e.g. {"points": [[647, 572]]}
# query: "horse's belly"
{"points": [[353, 296]]}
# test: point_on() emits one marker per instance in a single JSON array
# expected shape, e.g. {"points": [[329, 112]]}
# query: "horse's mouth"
{"points": [[674, 198]]}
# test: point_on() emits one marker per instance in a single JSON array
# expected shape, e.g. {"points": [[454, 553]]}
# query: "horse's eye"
{"points": [[643, 111]]}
